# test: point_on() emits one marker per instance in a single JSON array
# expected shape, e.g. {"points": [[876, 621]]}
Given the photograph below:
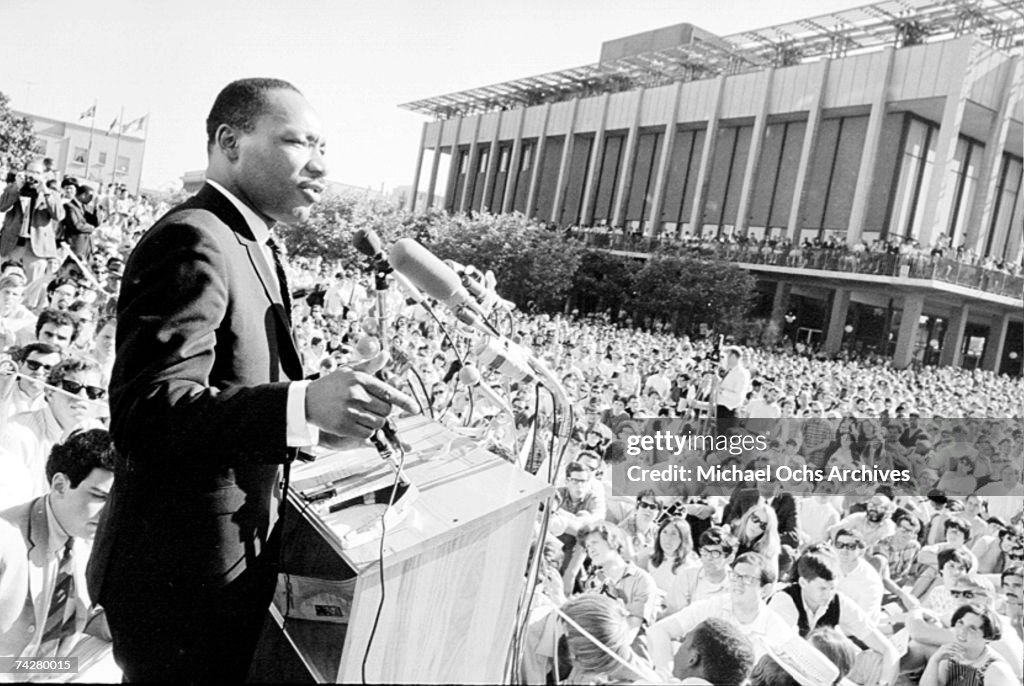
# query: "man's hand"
{"points": [[353, 403]]}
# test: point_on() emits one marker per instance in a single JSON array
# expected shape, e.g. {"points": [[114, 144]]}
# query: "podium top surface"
{"points": [[459, 486]]}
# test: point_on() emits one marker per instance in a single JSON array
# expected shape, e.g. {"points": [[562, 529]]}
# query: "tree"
{"points": [[603, 281], [534, 266], [17, 139], [688, 291]]}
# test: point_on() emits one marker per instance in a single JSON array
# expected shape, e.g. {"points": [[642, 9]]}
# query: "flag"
{"points": [[113, 125], [135, 124], [91, 112]]}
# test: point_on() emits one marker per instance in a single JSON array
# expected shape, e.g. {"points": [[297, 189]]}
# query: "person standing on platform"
{"points": [[732, 392], [207, 400]]}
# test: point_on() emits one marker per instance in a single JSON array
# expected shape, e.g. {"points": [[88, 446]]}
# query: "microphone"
{"points": [[470, 376], [436, 279], [368, 243], [506, 358]]}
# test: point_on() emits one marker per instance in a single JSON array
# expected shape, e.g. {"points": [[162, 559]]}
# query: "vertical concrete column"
{"points": [[754, 157], [950, 355], [869, 156], [837, 320], [942, 184], [596, 160], [538, 158], [780, 302], [707, 155], [513, 164], [419, 163], [803, 169], [466, 199], [992, 159], [453, 168], [653, 220], [913, 307], [492, 167], [435, 164], [996, 342], [626, 172], [563, 166]]}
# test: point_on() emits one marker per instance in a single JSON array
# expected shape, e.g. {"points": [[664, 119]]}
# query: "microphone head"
{"points": [[367, 242], [367, 347], [425, 270], [469, 375]]}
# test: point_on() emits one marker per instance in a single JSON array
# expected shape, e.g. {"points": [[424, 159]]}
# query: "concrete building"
{"points": [[109, 161], [896, 119]]}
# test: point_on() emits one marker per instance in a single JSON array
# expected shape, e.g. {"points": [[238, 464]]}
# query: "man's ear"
{"points": [[226, 140]]}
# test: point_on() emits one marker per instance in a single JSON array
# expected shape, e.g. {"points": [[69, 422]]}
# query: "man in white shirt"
{"points": [[743, 606], [732, 391], [860, 582]]}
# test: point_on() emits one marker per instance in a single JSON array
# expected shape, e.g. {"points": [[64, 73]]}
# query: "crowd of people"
{"points": [[919, 583]]}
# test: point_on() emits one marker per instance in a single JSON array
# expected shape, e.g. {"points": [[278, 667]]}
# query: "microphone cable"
{"points": [[380, 559]]}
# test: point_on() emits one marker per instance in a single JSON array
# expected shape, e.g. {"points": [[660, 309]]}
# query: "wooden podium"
{"points": [[454, 566]]}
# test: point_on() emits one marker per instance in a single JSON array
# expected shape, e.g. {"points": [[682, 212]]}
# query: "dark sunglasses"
{"points": [[966, 595], [758, 522], [75, 388], [36, 365], [847, 546], [648, 506]]}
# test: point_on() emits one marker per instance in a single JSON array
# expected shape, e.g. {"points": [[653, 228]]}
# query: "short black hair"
{"points": [[726, 655], [818, 562], [718, 535], [958, 555], [990, 626], [57, 283], [83, 452], [240, 104], [58, 318], [71, 365], [21, 354]]}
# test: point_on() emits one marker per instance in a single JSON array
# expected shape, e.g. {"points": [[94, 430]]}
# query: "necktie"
{"points": [[60, 623], [282, 276]]}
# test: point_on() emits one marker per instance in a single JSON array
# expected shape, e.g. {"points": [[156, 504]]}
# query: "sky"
{"points": [[354, 61]]}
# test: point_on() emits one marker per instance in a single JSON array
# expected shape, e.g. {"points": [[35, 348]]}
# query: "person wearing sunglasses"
{"points": [[860, 581], [1011, 584], [710, 579], [929, 632], [743, 606], [757, 531], [80, 398], [23, 392], [815, 601]]}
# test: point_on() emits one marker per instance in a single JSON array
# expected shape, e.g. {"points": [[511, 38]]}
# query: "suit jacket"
{"points": [[77, 227], [41, 228], [198, 406], [25, 561]]}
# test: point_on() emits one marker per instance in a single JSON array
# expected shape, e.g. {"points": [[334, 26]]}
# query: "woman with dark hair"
{"points": [[969, 661], [673, 551], [961, 480]]}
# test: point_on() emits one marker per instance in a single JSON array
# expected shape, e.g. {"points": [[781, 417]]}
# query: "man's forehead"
{"points": [[288, 109]]}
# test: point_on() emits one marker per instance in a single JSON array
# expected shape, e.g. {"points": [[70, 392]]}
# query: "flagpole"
{"points": [[142, 157], [88, 153], [117, 146]]}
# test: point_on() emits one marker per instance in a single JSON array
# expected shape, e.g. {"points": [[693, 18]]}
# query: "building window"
{"points": [[503, 159], [122, 165], [915, 170], [963, 183], [1004, 217], [527, 158], [102, 159], [79, 156]]}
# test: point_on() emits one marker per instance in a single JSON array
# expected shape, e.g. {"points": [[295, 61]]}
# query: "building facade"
{"points": [[894, 125], [94, 154]]}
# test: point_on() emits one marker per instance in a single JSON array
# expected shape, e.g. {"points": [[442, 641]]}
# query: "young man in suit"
{"points": [[207, 400], [44, 544]]}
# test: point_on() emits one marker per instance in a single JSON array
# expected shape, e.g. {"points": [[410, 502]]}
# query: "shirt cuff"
{"points": [[298, 432]]}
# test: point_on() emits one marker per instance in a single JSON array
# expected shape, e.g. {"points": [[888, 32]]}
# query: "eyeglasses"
{"points": [[581, 482], [745, 579], [75, 388], [758, 522], [648, 506], [966, 595], [848, 546], [711, 554], [36, 365]]}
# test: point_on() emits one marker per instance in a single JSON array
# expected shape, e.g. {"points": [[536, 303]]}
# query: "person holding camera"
{"points": [[29, 233]]}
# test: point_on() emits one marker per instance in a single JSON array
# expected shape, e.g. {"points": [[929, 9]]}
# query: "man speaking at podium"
{"points": [[206, 404]]}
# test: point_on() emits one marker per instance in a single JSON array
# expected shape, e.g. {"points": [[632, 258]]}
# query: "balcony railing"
{"points": [[827, 259]]}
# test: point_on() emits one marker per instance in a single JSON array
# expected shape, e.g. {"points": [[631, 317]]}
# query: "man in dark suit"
{"points": [[204, 409], [79, 222]]}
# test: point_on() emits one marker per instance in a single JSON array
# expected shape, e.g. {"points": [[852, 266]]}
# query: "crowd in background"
{"points": [[920, 583]]}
